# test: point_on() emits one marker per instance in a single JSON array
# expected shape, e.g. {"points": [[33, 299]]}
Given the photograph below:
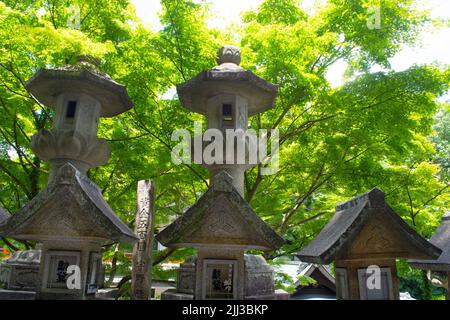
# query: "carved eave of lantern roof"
{"points": [[227, 77], [221, 217], [366, 227], [70, 208], [83, 77], [441, 239], [49, 145]]}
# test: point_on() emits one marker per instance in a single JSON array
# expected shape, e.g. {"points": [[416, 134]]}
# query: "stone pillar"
{"points": [[142, 262]]}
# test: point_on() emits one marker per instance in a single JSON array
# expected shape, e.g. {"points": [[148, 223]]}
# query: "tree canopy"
{"points": [[384, 129]]}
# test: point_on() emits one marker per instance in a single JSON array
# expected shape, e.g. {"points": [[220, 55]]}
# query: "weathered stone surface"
{"points": [[259, 278], [324, 288], [441, 239], [70, 217], [72, 220], [320, 273], [222, 225], [172, 294], [47, 84], [141, 276], [228, 54], [17, 295], [281, 295], [71, 206], [106, 294], [258, 275], [4, 216], [50, 144], [186, 276]]}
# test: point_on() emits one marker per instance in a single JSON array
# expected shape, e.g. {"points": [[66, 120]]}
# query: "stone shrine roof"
{"points": [[308, 269], [83, 77], [441, 239], [349, 220], [227, 77], [221, 217], [70, 207]]}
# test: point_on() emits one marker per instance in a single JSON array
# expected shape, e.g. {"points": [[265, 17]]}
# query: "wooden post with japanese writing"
{"points": [[142, 263]]}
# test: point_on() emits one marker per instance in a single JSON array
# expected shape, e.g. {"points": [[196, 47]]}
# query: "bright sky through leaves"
{"points": [[432, 47]]}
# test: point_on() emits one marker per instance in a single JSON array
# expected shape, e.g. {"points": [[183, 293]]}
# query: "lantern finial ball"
{"points": [[229, 54]]}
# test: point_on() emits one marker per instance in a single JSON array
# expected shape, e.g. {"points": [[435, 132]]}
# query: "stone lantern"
{"points": [[80, 95], [227, 95], [222, 225], [438, 269], [364, 238], [70, 217]]}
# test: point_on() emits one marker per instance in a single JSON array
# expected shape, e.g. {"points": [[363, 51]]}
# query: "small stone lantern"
{"points": [[364, 238], [222, 225], [80, 94], [70, 217]]}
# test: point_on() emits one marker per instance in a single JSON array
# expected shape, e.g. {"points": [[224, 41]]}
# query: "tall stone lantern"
{"points": [[70, 217], [222, 225]]}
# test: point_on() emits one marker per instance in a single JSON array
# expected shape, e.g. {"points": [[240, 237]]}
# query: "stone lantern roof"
{"points": [[441, 239], [71, 207], [4, 216], [227, 77], [221, 217], [83, 77], [367, 227]]}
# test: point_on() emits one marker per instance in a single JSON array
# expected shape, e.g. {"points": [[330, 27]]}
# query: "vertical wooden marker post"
{"points": [[141, 277]]}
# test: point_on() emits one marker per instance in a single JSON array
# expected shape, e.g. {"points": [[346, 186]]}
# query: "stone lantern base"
{"points": [[258, 279]]}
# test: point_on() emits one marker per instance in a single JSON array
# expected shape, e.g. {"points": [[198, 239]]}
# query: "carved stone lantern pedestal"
{"points": [[222, 226], [258, 278]]}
